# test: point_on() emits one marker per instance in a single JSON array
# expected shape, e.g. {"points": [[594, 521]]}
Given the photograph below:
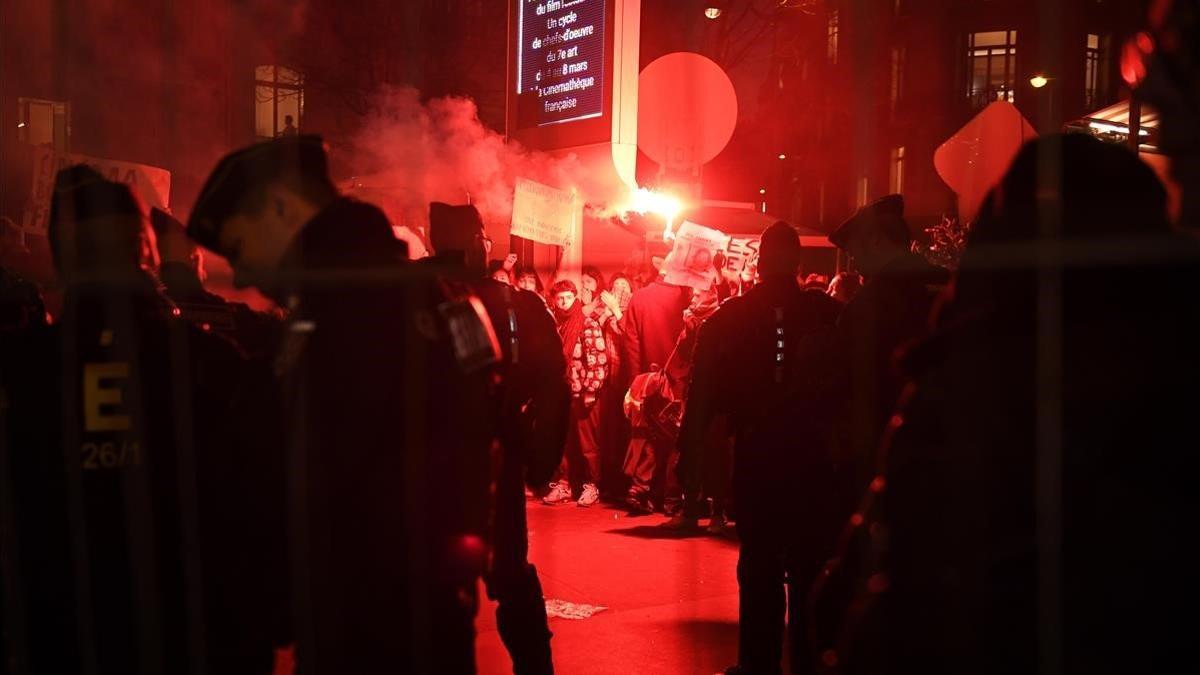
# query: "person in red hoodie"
{"points": [[652, 326]]}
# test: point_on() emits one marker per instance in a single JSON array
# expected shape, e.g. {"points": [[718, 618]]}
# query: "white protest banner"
{"points": [[690, 261], [545, 214], [742, 250], [151, 183]]}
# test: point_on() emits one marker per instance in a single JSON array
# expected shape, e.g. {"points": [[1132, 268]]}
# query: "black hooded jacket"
{"points": [[160, 528], [389, 433]]}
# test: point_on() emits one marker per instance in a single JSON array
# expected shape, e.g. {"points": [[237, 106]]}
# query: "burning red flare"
{"points": [[667, 206]]}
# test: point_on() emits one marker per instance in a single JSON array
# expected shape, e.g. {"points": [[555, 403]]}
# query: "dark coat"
{"points": [[535, 397], [164, 524], [740, 370], [962, 530], [891, 311], [652, 325], [391, 423]]}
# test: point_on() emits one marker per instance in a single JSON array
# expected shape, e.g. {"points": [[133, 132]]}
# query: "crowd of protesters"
{"points": [[628, 348], [980, 471]]}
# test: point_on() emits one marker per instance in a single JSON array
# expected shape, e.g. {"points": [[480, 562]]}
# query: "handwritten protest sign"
{"points": [[742, 251], [545, 214], [151, 183], [690, 261]]}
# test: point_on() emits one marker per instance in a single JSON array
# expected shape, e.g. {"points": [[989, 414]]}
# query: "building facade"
{"points": [[177, 84], [880, 84]]}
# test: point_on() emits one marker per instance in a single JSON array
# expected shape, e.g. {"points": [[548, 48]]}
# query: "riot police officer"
{"points": [[378, 360], [533, 405], [133, 542], [891, 310], [746, 367]]}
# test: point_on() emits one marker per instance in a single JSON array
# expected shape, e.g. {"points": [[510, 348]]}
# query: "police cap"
{"points": [[81, 193], [92, 217], [453, 228], [243, 171]]}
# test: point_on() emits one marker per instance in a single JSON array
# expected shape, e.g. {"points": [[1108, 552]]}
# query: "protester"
{"points": [[497, 272], [652, 326], [615, 427], [369, 423], [532, 407], [527, 279], [603, 306], [678, 372], [586, 349], [622, 288], [1010, 481], [168, 500], [744, 367]]}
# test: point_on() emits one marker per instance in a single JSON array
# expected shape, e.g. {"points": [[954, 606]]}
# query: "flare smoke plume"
{"points": [[409, 153]]}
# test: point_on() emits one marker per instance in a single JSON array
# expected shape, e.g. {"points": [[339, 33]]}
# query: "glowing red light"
{"points": [[1133, 65], [1144, 42], [471, 545], [856, 520], [878, 484]]}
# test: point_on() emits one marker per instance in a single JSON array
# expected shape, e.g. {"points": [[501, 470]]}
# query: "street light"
{"points": [[712, 12], [1038, 81], [782, 156]]}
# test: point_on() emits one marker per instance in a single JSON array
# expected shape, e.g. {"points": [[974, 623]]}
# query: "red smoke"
{"points": [[408, 154]]}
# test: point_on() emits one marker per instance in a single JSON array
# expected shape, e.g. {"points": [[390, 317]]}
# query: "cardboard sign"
{"points": [[741, 251], [974, 160], [691, 260], [150, 183], [545, 214]]}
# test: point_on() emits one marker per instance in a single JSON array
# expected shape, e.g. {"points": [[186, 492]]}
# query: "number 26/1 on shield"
{"points": [[111, 454]]}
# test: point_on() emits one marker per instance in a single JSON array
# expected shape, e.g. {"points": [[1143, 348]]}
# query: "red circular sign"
{"points": [[687, 110]]}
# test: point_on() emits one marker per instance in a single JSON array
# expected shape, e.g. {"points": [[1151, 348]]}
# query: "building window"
{"points": [[832, 43], [278, 101], [898, 56], [992, 57], [896, 174], [860, 196], [42, 122], [1094, 79]]}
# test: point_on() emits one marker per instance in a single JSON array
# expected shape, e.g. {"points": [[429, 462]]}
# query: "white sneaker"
{"points": [[589, 496], [559, 492]]}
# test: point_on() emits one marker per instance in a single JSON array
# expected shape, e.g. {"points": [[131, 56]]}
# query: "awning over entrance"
{"points": [[1112, 124]]}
